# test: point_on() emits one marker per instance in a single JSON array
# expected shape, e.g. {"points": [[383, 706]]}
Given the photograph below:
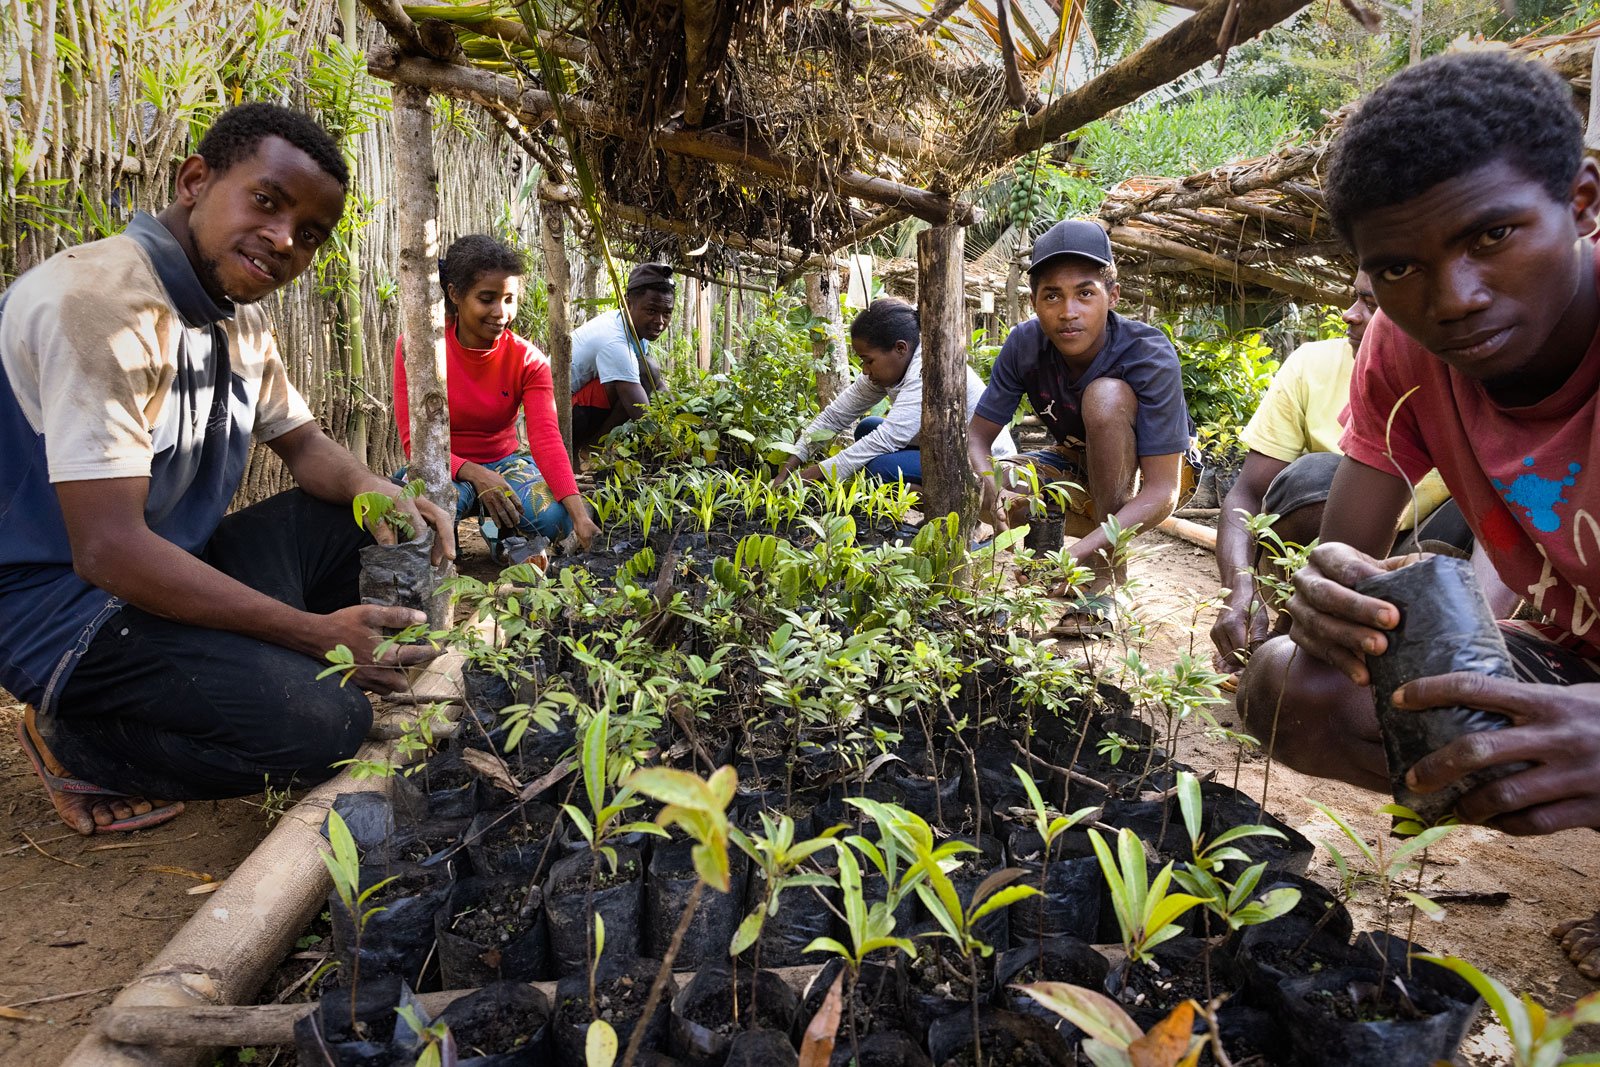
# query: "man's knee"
{"points": [[1300, 526], [1107, 403], [333, 723], [1311, 716]]}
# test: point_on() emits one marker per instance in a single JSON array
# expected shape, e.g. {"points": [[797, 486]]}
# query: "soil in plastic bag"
{"points": [[1224, 807], [801, 919], [667, 891], [938, 979], [878, 998], [1006, 1038], [451, 788], [570, 906], [373, 1037], [1445, 626], [703, 1011], [1148, 994], [1062, 959], [1046, 533], [622, 985], [1349, 1017], [1074, 889], [761, 1048], [504, 1024], [402, 575], [881, 1048], [397, 939], [370, 819], [1288, 947], [491, 930], [521, 842]]}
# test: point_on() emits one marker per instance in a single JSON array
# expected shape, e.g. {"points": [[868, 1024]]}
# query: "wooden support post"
{"points": [[558, 279], [422, 307], [702, 325], [827, 339], [948, 483], [729, 302]]}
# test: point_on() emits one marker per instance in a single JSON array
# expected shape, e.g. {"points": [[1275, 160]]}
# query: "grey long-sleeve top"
{"points": [[900, 428]]}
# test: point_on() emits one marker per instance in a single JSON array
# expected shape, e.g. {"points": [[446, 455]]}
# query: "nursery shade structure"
{"points": [[1256, 230], [781, 129]]}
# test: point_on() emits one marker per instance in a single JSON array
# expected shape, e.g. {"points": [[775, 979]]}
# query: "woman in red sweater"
{"points": [[490, 373]]}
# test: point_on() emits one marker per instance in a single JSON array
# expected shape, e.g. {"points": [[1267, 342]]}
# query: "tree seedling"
{"points": [[1050, 826], [382, 509], [344, 867], [1147, 913], [1538, 1038]]}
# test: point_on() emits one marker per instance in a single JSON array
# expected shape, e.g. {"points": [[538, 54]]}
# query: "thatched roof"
{"points": [[780, 129], [1255, 230]]}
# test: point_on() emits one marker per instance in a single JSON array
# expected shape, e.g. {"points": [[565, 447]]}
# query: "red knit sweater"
{"points": [[486, 386]]}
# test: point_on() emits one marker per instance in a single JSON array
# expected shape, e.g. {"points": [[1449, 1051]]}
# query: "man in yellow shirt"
{"points": [[1293, 450]]}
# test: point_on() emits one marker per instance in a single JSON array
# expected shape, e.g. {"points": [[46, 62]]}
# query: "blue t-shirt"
{"points": [[114, 362], [1137, 353], [602, 350]]}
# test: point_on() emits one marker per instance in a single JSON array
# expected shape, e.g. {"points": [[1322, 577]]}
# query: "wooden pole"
{"points": [[422, 306], [702, 324], [827, 339], [729, 302], [558, 280], [948, 483]]}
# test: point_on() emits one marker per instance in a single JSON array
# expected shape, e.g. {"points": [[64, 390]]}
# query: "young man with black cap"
{"points": [[1109, 390], [612, 373]]}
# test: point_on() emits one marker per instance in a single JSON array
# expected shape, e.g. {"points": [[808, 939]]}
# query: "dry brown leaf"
{"points": [[1167, 1041], [816, 1048], [203, 888], [491, 767], [20, 1016]]}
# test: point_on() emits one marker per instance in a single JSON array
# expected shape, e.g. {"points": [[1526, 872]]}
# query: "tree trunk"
{"points": [[947, 479], [558, 345], [827, 339], [422, 306]]}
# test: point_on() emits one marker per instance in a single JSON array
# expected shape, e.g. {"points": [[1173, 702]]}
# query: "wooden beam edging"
{"points": [[535, 106], [239, 1026], [228, 948], [1170, 56]]}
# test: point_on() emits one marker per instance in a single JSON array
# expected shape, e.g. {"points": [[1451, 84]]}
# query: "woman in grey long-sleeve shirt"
{"points": [[886, 340]]}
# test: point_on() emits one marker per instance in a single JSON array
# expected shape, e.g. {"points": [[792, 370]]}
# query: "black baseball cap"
{"points": [[1084, 238], [650, 276]]}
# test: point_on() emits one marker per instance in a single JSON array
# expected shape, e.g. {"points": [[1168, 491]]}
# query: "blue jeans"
{"points": [[541, 512], [891, 466]]}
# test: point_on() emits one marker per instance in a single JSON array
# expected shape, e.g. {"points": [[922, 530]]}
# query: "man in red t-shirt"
{"points": [[1462, 187]]}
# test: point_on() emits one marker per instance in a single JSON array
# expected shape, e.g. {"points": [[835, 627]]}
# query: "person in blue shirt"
{"points": [[613, 375], [168, 650], [1110, 392]]}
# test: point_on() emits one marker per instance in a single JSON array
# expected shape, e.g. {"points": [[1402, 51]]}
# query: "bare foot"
{"points": [[1581, 940], [83, 813], [79, 804]]}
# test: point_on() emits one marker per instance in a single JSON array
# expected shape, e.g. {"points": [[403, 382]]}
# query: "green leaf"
{"points": [[1510, 1011], [1424, 905], [1004, 898], [594, 759], [599, 936], [1189, 804], [749, 930], [676, 787]]}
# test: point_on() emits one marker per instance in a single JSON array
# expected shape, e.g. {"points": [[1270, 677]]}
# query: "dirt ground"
{"points": [[83, 915]]}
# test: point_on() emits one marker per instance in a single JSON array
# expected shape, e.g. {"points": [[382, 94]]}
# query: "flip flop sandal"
{"points": [[59, 783], [1229, 684], [1088, 616]]}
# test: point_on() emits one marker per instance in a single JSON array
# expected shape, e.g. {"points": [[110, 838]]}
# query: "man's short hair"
{"points": [[238, 130], [1446, 117]]}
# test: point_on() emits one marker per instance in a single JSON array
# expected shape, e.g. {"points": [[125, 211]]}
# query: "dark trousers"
{"points": [[164, 709]]}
